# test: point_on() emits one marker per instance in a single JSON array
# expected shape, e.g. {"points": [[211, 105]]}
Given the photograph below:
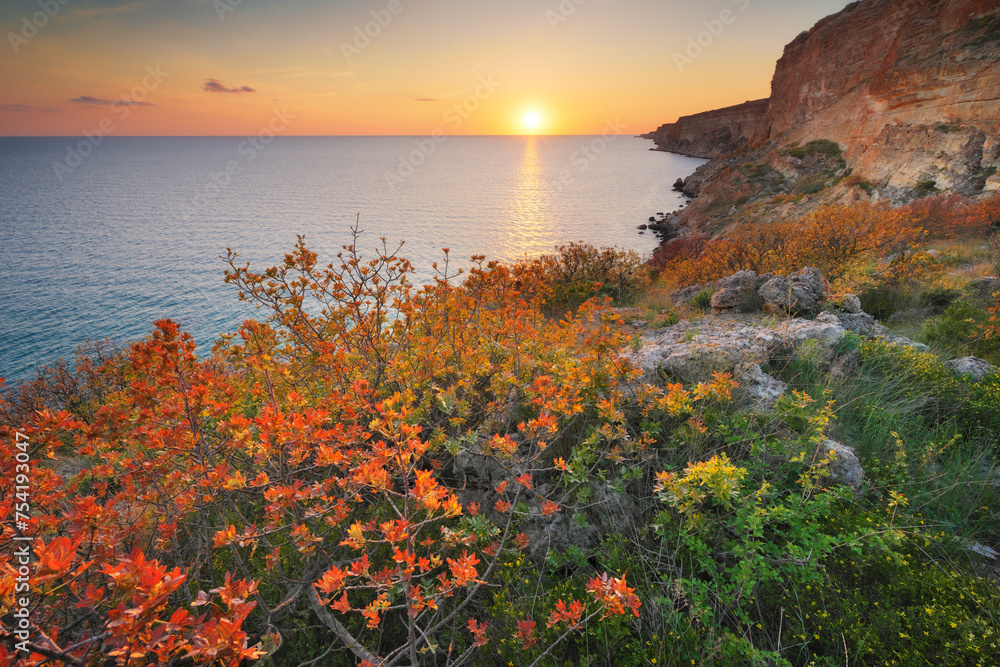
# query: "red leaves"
{"points": [[561, 614], [526, 633], [614, 594], [521, 541], [55, 559], [549, 508], [478, 631]]}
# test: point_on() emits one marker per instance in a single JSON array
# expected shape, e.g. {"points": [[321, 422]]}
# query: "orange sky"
{"points": [[228, 67]]}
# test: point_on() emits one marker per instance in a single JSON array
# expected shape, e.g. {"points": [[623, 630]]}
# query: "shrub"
{"points": [[925, 187], [702, 300], [819, 146], [832, 238], [578, 272]]}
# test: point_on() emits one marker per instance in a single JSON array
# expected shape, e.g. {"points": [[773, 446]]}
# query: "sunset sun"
{"points": [[531, 121]]}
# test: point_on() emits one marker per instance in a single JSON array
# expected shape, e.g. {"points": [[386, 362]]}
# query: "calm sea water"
{"points": [[132, 230]]}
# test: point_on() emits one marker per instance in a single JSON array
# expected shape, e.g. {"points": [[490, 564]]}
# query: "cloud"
{"points": [[425, 99], [27, 108], [216, 86], [100, 102]]}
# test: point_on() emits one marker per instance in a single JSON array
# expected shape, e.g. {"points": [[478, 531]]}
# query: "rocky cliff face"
{"points": [[907, 90], [711, 134]]}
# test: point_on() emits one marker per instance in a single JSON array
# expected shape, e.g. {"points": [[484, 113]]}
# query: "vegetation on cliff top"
{"points": [[471, 472]]}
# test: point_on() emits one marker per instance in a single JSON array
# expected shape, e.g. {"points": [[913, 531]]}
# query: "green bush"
{"points": [[883, 301], [702, 300]]}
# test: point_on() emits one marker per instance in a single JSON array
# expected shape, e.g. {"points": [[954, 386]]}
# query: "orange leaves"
{"points": [[830, 238], [343, 605], [55, 559], [464, 569], [332, 580], [427, 490], [374, 608], [325, 431], [614, 594], [229, 536], [355, 536], [360, 566], [504, 445], [549, 508], [395, 531], [224, 537]]}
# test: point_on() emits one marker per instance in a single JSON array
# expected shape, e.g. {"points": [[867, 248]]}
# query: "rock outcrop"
{"points": [[801, 293], [887, 99]]}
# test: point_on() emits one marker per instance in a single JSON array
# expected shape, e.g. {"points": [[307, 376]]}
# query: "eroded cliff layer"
{"points": [[711, 134], [887, 99]]}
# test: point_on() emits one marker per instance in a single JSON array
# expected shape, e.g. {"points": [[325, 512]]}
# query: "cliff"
{"points": [[711, 134], [887, 99]]}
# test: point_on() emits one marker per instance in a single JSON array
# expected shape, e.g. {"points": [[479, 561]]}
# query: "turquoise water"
{"points": [[132, 230]]}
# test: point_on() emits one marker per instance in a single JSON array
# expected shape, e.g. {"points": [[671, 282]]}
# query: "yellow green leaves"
{"points": [[716, 479]]}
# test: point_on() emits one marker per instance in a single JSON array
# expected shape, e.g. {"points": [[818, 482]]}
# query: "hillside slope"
{"points": [[900, 98]]}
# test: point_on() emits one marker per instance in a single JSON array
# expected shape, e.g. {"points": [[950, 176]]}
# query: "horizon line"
{"points": [[298, 136]]}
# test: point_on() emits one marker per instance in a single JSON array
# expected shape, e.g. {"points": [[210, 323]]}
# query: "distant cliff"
{"points": [[887, 99], [711, 134]]}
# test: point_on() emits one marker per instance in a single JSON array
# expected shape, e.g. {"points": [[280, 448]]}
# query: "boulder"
{"points": [[846, 468], [862, 324], [800, 293], [850, 303], [733, 291], [972, 367], [691, 352], [761, 389]]}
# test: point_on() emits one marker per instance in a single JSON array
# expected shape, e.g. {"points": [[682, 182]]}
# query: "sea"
{"points": [[99, 239]]}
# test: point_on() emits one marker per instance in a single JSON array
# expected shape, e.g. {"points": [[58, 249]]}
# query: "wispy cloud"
{"points": [[27, 108], [425, 99], [100, 102], [94, 10], [216, 86]]}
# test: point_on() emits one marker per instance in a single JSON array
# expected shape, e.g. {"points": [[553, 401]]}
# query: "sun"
{"points": [[531, 121]]}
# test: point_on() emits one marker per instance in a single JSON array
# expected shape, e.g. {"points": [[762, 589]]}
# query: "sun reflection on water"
{"points": [[527, 229]]}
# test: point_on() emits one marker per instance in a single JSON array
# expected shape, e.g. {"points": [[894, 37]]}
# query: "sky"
{"points": [[384, 67]]}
